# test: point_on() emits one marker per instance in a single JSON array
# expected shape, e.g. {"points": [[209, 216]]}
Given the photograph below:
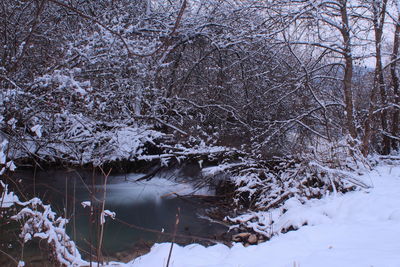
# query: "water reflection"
{"points": [[146, 204]]}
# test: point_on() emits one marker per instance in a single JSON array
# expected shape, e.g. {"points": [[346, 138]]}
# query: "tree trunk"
{"points": [[395, 84], [379, 83], [348, 72]]}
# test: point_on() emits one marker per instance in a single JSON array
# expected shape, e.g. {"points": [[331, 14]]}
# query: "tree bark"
{"points": [[395, 84], [379, 79], [348, 72], [379, 87]]}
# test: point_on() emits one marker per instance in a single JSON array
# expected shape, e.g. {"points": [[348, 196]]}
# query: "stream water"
{"points": [[142, 208]]}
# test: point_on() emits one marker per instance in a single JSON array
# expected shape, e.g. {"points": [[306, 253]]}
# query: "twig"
{"points": [[8, 255], [102, 210], [173, 237]]}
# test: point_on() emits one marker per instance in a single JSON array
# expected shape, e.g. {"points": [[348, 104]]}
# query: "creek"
{"points": [[145, 210]]}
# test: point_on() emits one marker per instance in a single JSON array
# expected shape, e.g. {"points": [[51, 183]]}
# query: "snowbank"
{"points": [[356, 229]]}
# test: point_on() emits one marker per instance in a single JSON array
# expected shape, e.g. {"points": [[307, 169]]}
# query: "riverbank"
{"points": [[249, 187], [355, 229]]}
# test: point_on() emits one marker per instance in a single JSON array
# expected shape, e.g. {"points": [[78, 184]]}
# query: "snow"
{"points": [[106, 213], [12, 122], [359, 228], [40, 221], [10, 165], [2, 157], [86, 204], [37, 129], [8, 199], [355, 229]]}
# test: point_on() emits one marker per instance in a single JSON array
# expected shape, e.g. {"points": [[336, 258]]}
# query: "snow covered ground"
{"points": [[356, 229]]}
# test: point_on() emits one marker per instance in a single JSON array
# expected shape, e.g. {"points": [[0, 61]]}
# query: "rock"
{"points": [[236, 238], [243, 235], [252, 239], [240, 237]]}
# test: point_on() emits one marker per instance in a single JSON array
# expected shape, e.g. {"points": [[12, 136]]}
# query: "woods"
{"points": [[284, 99], [266, 77]]}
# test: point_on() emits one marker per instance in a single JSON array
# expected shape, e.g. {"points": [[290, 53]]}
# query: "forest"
{"points": [[274, 100]]}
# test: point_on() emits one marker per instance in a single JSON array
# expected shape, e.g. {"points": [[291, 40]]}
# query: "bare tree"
{"points": [[395, 81], [378, 10]]}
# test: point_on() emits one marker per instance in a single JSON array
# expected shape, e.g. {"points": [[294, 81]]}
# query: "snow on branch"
{"points": [[41, 222], [264, 187]]}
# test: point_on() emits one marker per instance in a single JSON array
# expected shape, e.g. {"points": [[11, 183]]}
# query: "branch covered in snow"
{"points": [[39, 221]]}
